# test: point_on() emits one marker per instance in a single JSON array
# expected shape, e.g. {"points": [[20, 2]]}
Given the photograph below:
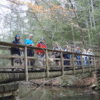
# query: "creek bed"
{"points": [[29, 91]]}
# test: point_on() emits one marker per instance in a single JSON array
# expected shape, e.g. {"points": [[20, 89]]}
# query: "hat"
{"points": [[42, 38], [31, 35], [17, 35], [67, 45], [78, 47]]}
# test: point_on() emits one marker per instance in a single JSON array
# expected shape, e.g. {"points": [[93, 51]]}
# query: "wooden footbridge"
{"points": [[25, 72], [30, 72]]}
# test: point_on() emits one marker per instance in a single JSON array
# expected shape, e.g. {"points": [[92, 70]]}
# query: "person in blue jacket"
{"points": [[66, 56], [16, 51], [78, 56], [29, 42]]}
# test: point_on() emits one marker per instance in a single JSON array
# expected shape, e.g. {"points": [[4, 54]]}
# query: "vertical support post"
{"points": [[35, 55], [47, 67], [73, 63], [82, 64], [98, 62], [25, 64], [12, 63], [89, 64], [95, 63], [62, 66], [92, 61], [71, 60]]}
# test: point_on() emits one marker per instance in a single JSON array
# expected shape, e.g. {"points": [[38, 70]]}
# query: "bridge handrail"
{"points": [[37, 48]]}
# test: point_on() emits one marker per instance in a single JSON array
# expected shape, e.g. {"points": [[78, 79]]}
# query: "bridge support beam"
{"points": [[10, 91]]}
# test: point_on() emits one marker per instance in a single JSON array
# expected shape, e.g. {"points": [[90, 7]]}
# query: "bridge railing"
{"points": [[73, 61]]}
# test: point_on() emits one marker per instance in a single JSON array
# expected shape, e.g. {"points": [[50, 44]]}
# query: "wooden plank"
{"points": [[77, 65], [47, 65], [62, 65], [82, 64], [31, 58], [9, 57], [11, 44], [11, 93], [73, 64], [95, 64], [5, 48], [67, 59], [8, 87], [77, 60], [58, 66], [12, 63], [18, 45], [55, 58], [36, 48], [89, 65], [25, 64], [10, 67]]}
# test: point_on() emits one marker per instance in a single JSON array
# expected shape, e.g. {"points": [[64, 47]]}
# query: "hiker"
{"points": [[57, 54], [30, 52], [90, 57], [78, 57], [41, 53], [85, 58], [41, 44], [16, 51], [66, 56]]}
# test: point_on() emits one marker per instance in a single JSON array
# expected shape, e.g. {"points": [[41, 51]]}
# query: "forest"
{"points": [[72, 22]]}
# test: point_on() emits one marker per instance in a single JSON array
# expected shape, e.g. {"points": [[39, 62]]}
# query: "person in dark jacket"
{"points": [[66, 56], [16, 51], [57, 54]]}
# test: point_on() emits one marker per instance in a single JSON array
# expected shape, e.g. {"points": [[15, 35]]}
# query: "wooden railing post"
{"points": [[12, 63], [35, 55], [25, 64], [98, 64], [47, 67], [95, 63], [73, 63], [82, 64], [62, 65], [89, 64], [11, 60]]}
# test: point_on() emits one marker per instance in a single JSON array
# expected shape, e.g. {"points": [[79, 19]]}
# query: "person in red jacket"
{"points": [[41, 44]]}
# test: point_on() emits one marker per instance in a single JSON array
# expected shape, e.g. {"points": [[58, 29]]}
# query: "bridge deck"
{"points": [[36, 74]]}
